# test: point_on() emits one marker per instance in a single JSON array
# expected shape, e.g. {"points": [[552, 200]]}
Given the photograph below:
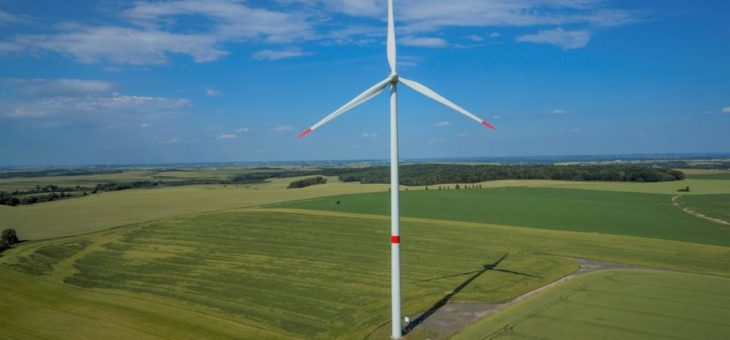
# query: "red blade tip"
{"points": [[305, 132], [485, 123]]}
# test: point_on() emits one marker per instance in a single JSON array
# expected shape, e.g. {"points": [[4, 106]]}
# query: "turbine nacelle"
{"points": [[393, 78]]}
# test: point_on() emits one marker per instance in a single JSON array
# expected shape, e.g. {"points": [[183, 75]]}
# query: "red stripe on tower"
{"points": [[395, 239]]}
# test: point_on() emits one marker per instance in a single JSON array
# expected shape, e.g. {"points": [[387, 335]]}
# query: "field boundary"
{"points": [[677, 203]]}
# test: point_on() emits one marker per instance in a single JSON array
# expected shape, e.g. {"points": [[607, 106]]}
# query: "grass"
{"points": [[622, 213], [717, 206], [113, 209], [310, 274], [618, 305]]}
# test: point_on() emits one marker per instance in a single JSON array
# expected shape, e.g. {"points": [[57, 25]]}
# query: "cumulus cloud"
{"points": [[279, 54], [59, 86], [559, 37], [442, 124], [726, 109], [242, 130]]}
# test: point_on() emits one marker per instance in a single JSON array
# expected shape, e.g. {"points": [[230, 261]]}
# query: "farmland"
{"points": [[618, 305], [315, 275], [112, 209], [260, 261], [636, 214]]}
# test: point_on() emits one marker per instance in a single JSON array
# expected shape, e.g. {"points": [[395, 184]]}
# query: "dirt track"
{"points": [[454, 316], [678, 204]]}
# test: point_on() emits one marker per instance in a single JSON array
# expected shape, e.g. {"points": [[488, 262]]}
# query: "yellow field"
{"points": [[112, 209]]}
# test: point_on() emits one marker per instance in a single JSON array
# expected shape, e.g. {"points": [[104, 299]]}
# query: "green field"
{"points": [[622, 213], [717, 206], [617, 305], [311, 275]]}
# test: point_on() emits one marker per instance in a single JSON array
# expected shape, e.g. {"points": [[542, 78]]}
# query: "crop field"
{"points": [[112, 209], [618, 305], [127, 175], [262, 261], [622, 213], [286, 274], [717, 206]]}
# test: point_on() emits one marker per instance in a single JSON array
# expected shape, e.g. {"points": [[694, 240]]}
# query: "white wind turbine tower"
{"points": [[393, 80]]}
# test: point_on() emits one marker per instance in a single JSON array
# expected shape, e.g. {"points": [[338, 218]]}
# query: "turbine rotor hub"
{"points": [[394, 78]]}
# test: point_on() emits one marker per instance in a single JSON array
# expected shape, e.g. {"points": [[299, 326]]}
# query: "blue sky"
{"points": [[107, 81]]}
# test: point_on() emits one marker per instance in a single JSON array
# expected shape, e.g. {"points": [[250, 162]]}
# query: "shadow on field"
{"points": [[444, 300]]}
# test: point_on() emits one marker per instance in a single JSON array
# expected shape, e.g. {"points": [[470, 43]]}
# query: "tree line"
{"points": [[430, 174]]}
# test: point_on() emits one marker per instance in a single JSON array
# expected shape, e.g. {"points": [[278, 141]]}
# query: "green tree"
{"points": [[9, 236]]}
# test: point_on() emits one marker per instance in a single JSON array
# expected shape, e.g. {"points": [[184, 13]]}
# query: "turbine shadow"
{"points": [[444, 300]]}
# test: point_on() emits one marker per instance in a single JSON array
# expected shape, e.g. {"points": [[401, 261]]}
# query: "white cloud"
{"points": [[147, 32], [559, 112], [144, 125], [368, 135], [242, 130], [283, 128], [94, 105], [211, 92], [442, 124], [173, 140], [475, 38], [558, 37], [60, 86], [7, 18], [495, 35], [146, 38], [279, 54], [726, 109], [423, 41], [226, 136], [123, 45], [408, 61]]}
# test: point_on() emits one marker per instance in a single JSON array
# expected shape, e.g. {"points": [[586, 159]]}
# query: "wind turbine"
{"points": [[392, 81]]}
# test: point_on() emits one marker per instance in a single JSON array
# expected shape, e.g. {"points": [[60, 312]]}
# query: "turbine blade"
{"points": [[418, 87], [361, 98], [391, 39]]}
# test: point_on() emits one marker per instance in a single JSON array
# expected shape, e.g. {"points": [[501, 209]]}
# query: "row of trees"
{"points": [[56, 172], [431, 174], [307, 182]]}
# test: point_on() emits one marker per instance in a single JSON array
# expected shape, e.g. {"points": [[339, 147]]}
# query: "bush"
{"points": [[307, 182], [9, 236]]}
